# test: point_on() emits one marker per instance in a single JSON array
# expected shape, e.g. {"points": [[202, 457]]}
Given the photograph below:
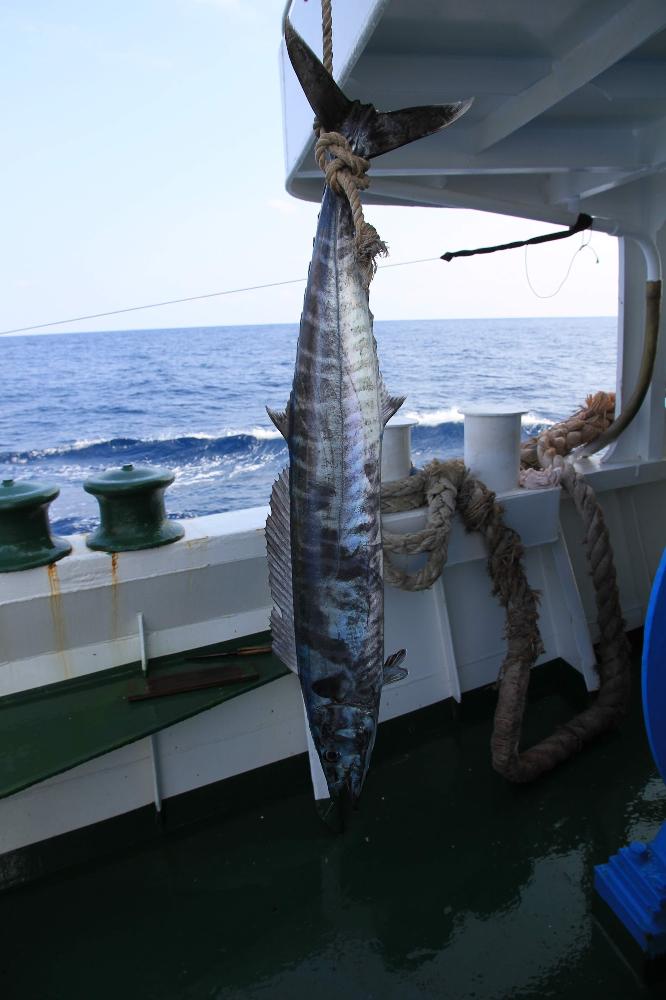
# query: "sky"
{"points": [[141, 159]]}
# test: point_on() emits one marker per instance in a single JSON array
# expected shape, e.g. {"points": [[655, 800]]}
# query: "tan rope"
{"points": [[552, 446], [437, 486], [327, 34], [448, 486], [345, 172]]}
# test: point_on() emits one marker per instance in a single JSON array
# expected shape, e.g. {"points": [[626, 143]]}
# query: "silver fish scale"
{"points": [[335, 451]]}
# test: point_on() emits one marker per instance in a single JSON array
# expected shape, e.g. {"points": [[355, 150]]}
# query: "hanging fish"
{"points": [[324, 530]]}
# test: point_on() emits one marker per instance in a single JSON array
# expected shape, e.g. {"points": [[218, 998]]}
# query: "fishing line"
{"points": [[584, 244], [190, 298]]}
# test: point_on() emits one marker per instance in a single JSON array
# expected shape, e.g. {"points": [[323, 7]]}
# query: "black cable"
{"points": [[582, 222]]}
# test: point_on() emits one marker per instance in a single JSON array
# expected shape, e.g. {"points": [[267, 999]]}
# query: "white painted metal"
{"points": [[492, 445], [561, 600], [80, 615], [319, 786], [396, 449], [453, 634], [590, 51], [153, 739], [143, 653], [155, 771]]}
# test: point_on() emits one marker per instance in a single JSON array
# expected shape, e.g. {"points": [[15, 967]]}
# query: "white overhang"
{"points": [[569, 113]]}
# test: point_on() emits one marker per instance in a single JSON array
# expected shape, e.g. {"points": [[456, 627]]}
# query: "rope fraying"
{"points": [[346, 174]]}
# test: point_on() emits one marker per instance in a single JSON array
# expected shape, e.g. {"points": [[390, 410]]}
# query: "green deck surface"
{"points": [[51, 729], [450, 883]]}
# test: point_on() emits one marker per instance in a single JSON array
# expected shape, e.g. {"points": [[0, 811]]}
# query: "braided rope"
{"points": [[447, 487], [551, 447], [345, 172], [327, 34], [438, 487]]}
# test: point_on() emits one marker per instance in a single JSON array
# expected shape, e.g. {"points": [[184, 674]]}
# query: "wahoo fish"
{"points": [[323, 533]]}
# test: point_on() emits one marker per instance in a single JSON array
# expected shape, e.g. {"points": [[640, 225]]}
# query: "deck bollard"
{"points": [[132, 511], [396, 449], [25, 533], [492, 446]]}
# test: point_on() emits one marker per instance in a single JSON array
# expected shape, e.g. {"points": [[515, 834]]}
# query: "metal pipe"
{"points": [[647, 245], [645, 373], [650, 340]]}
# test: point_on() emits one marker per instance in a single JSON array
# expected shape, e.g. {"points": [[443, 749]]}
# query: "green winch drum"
{"points": [[131, 507], [25, 533]]}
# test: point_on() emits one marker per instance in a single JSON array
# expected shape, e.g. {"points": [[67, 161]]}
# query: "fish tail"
{"points": [[374, 132]]}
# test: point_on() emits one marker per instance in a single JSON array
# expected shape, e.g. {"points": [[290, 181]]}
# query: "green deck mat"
{"points": [[50, 729]]}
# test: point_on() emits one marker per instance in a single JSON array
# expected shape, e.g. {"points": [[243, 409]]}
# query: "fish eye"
{"points": [[331, 756]]}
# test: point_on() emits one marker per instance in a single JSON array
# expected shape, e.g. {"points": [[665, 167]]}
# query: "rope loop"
{"points": [[337, 146], [447, 487]]}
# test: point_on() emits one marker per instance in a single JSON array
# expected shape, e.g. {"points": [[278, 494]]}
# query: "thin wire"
{"points": [[585, 243], [189, 298]]}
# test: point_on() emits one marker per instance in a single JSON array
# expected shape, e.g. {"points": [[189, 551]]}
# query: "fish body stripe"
{"points": [[335, 454]]}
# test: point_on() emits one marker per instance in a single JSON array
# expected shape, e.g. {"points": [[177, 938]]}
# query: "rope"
{"points": [[345, 172], [449, 486], [551, 447], [327, 34], [437, 486]]}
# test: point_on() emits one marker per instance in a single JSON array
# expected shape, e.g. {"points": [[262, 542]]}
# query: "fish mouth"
{"points": [[344, 736]]}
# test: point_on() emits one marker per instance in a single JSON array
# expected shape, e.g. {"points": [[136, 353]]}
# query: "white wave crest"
{"points": [[432, 418], [263, 433], [453, 415]]}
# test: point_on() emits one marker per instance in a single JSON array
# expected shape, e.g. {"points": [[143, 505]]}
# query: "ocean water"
{"points": [[193, 400]]}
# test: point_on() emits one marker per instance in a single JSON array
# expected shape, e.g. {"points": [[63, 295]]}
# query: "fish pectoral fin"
{"points": [[281, 420], [392, 670], [278, 545], [390, 406]]}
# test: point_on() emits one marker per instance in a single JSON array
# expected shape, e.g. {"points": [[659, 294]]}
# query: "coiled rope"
{"points": [[447, 487], [551, 447]]}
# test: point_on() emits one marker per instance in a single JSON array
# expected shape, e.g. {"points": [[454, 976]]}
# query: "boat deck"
{"points": [[450, 883]]}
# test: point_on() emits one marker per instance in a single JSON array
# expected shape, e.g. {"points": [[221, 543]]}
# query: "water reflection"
{"points": [[450, 883]]}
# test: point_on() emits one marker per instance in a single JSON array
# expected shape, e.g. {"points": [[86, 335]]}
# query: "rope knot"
{"points": [[335, 145], [345, 173]]}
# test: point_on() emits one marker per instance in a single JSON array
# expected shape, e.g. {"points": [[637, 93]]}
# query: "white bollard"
{"points": [[397, 449], [492, 446]]}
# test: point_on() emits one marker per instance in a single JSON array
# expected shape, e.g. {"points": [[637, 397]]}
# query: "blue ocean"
{"points": [[193, 400]]}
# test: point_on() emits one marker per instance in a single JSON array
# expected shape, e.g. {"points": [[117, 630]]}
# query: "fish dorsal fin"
{"points": [[390, 404], [278, 545], [392, 670], [281, 420]]}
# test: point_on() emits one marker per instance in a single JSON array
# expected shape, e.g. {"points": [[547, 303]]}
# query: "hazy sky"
{"points": [[142, 160]]}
